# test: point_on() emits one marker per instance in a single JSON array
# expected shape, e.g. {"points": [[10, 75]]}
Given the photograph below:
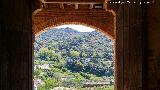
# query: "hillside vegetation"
{"points": [[66, 57]]}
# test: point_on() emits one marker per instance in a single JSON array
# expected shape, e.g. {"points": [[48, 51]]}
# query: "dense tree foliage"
{"points": [[84, 55]]}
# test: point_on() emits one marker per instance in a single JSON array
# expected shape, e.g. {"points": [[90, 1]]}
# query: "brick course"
{"points": [[53, 15]]}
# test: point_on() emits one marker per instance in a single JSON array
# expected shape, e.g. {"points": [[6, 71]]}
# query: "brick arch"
{"points": [[107, 29], [103, 20]]}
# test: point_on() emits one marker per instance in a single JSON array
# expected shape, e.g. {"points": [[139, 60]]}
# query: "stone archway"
{"points": [[100, 18], [131, 31], [126, 31]]}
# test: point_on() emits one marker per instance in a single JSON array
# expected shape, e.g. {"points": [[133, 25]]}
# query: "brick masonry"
{"points": [[53, 16], [137, 41]]}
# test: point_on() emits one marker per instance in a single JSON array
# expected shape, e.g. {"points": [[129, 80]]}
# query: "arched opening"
{"points": [[102, 19], [87, 57], [131, 37]]}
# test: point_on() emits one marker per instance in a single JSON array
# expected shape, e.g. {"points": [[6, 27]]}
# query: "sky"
{"points": [[79, 28]]}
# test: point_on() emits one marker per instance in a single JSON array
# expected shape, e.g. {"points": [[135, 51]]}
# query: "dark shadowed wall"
{"points": [[137, 46]]}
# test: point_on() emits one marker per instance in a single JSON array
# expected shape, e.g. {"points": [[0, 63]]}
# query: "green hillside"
{"points": [[67, 57]]}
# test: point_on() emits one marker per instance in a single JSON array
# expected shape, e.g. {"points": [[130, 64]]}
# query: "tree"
{"points": [[50, 83], [74, 54], [48, 55]]}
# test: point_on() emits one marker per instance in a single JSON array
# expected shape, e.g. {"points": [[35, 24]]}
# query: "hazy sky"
{"points": [[80, 28]]}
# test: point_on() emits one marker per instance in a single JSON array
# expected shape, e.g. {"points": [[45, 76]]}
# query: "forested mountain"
{"points": [[72, 53]]}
